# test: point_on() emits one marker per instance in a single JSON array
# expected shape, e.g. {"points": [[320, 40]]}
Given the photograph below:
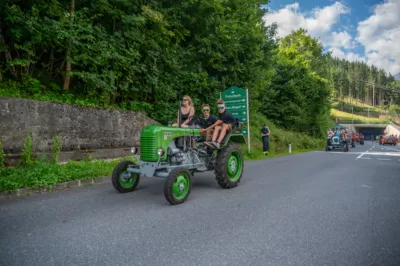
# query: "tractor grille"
{"points": [[148, 149]]}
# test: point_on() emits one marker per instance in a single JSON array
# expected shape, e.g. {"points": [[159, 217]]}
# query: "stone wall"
{"points": [[81, 128]]}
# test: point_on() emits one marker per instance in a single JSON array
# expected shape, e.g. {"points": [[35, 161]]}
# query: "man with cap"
{"points": [[265, 132]]}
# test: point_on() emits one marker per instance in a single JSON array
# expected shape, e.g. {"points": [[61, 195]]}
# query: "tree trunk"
{"points": [[67, 78]]}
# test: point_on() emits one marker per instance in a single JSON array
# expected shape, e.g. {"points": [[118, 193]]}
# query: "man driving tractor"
{"points": [[221, 127]]}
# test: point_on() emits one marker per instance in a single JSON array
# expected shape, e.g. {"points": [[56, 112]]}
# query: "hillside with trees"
{"points": [[140, 55]]}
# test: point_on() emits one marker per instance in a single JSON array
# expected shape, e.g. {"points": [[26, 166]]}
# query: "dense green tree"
{"points": [[139, 55], [298, 97]]}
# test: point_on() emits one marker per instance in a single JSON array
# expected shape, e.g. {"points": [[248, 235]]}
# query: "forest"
{"points": [[139, 55]]}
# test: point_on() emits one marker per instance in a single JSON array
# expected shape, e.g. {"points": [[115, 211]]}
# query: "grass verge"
{"points": [[357, 105], [46, 174], [279, 140]]}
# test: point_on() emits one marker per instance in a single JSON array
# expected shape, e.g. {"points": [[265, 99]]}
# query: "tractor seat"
{"points": [[237, 126]]}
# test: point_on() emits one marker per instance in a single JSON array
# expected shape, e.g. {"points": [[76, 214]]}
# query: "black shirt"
{"points": [[210, 120], [227, 117]]}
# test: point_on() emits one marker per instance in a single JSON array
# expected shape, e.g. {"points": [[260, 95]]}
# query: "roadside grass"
{"points": [[344, 117], [44, 173], [357, 104], [279, 140]]}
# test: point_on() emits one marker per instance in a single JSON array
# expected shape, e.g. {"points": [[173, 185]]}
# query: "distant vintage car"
{"points": [[337, 142]]}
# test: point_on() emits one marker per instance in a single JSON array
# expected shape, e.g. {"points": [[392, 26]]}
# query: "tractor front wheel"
{"points": [[177, 186], [229, 166], [122, 180]]}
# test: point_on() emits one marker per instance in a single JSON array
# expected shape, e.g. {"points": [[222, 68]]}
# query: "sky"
{"points": [[355, 30]]}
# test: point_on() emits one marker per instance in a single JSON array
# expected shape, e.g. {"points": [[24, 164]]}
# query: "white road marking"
{"points": [[369, 153], [366, 186], [365, 158], [361, 155], [384, 159], [340, 152], [385, 153], [392, 149]]}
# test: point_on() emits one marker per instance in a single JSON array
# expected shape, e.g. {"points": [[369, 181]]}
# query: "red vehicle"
{"points": [[390, 140]]}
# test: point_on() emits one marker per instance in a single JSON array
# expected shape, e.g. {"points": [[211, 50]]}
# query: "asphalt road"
{"points": [[317, 208]]}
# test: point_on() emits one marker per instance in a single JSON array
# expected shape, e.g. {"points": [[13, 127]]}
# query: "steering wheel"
{"points": [[197, 121]]}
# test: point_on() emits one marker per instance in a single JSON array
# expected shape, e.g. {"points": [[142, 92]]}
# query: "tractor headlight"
{"points": [[134, 150], [160, 151]]}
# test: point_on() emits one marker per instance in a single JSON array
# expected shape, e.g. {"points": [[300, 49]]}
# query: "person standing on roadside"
{"points": [[265, 133]]}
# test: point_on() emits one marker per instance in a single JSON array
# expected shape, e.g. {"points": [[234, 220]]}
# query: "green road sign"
{"points": [[236, 102], [236, 107], [238, 114]]}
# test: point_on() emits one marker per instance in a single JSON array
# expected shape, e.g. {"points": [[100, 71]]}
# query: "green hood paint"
{"points": [[154, 137]]}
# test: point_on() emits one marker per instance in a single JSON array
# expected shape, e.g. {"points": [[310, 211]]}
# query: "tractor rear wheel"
{"points": [[177, 186], [122, 180], [229, 166]]}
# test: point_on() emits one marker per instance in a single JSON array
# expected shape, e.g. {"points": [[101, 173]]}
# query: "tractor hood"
{"points": [[156, 137]]}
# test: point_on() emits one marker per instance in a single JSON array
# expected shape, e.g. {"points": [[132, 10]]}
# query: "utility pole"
{"points": [[352, 115], [373, 94]]}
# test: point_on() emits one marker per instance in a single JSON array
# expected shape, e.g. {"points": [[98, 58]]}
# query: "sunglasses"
{"points": [[206, 110], [221, 107]]}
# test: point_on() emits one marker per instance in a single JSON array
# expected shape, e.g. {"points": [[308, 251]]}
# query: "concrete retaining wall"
{"points": [[392, 129], [81, 128]]}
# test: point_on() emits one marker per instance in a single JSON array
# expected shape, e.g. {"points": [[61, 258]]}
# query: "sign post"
{"points": [[237, 102]]}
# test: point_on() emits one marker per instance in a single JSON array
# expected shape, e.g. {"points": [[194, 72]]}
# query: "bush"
{"points": [[56, 148], [27, 157], [2, 156]]}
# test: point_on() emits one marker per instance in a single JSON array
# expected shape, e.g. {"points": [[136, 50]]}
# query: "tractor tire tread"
{"points": [[168, 186], [115, 177], [220, 171]]}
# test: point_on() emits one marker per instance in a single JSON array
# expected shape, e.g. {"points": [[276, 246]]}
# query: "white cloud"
{"points": [[380, 36], [340, 40], [318, 22], [349, 56]]}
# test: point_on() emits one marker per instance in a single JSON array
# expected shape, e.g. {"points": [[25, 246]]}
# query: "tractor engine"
{"points": [[178, 152]]}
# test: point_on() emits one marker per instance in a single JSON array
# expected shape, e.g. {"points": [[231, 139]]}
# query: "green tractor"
{"points": [[167, 152]]}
